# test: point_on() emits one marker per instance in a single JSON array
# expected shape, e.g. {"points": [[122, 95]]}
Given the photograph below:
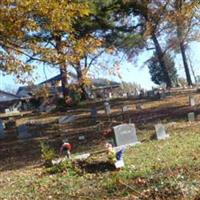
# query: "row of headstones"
{"points": [[22, 130], [125, 134]]}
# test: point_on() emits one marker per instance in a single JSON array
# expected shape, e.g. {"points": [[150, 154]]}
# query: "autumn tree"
{"points": [[44, 33], [184, 19]]}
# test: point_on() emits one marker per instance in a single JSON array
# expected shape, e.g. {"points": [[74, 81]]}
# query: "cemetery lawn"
{"points": [[167, 169]]}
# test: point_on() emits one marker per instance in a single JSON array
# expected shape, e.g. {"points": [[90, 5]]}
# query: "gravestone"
{"points": [[23, 132], [93, 113], [124, 111], [160, 132], [192, 101], [125, 134], [191, 117], [107, 108], [67, 119], [2, 133]]}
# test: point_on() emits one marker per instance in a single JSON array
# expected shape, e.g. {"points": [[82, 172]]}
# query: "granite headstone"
{"points": [[160, 132], [125, 134], [191, 117]]}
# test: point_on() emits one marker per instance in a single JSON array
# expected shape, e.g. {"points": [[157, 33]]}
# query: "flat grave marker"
{"points": [[81, 137], [67, 119], [160, 132], [125, 134]]}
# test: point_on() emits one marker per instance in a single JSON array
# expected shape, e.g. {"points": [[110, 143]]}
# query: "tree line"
{"points": [[66, 33]]}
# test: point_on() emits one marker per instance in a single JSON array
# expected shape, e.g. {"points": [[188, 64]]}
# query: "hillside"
{"points": [[168, 169]]}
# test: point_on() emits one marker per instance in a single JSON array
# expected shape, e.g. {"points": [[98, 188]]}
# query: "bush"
{"points": [[64, 166], [48, 154]]}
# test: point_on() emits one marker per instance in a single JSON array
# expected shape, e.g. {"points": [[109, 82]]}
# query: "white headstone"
{"points": [[160, 132], [192, 101], [191, 117], [107, 108], [125, 134]]}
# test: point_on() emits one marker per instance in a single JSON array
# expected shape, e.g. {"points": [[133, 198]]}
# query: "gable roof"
{"points": [[6, 96], [8, 93], [58, 77]]}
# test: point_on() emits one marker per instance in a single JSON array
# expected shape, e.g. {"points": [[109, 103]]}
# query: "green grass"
{"points": [[152, 168]]}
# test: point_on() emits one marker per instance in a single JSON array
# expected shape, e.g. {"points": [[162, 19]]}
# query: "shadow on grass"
{"points": [[97, 167]]}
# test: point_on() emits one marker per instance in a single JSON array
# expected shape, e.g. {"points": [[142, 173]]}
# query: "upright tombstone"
{"points": [[93, 113], [191, 117], [124, 111], [125, 134], [107, 108], [23, 132], [192, 101], [2, 133], [160, 132]]}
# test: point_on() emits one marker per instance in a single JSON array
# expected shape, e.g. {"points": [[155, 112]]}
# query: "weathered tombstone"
{"points": [[192, 101], [125, 134], [191, 117], [2, 133], [23, 132], [93, 113], [124, 111], [160, 132], [66, 119], [107, 108]]}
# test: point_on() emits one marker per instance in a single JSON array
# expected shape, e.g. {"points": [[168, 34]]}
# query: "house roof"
{"points": [[57, 78], [100, 83], [104, 83], [9, 94]]}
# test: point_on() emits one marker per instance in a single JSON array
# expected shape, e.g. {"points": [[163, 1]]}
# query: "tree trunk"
{"points": [[180, 37], [185, 64], [84, 94], [161, 60], [64, 82]]}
